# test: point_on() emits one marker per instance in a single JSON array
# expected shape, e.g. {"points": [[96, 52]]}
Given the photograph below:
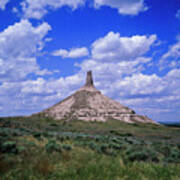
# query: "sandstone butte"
{"points": [[89, 104]]}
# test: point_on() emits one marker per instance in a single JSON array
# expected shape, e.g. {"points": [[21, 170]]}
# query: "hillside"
{"points": [[89, 104], [34, 148]]}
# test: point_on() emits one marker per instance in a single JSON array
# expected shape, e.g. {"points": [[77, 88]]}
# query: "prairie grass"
{"points": [[43, 149]]}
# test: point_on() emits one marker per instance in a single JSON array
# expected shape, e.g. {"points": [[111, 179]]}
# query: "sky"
{"points": [[132, 47]]}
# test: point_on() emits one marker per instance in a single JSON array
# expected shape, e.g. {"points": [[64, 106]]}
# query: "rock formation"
{"points": [[89, 104]]}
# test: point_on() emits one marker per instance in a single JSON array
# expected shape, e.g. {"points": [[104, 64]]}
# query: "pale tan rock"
{"points": [[88, 104]]}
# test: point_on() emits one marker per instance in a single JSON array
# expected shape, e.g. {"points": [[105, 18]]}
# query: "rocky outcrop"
{"points": [[89, 104]]}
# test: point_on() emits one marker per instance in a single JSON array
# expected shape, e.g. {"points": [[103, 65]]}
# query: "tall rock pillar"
{"points": [[89, 79]]}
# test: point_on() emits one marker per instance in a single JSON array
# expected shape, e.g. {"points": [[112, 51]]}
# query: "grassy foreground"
{"points": [[34, 148]]}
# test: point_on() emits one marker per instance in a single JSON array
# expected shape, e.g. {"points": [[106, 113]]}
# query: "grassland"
{"points": [[41, 148]]}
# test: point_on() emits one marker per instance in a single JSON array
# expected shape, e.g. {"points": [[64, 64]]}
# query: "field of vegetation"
{"points": [[39, 148]]}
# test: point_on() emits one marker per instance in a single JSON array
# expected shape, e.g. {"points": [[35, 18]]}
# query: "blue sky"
{"points": [[132, 46]]}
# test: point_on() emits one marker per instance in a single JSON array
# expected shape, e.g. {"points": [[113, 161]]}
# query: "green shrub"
{"points": [[115, 146], [165, 150], [47, 134], [132, 141], [61, 138], [67, 147], [53, 124], [21, 149], [104, 148], [94, 147], [178, 145], [97, 139], [173, 156], [120, 134], [37, 134], [136, 154], [139, 156], [52, 146], [8, 147], [114, 139]]}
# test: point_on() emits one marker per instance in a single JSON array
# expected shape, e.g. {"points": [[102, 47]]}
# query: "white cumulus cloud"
{"points": [[38, 8], [140, 84], [117, 48], [30, 96], [174, 51], [3, 4], [126, 7], [19, 44], [170, 59], [73, 53]]}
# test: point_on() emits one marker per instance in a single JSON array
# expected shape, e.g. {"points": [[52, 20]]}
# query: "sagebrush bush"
{"points": [[9, 147], [21, 149], [137, 154], [52, 146], [67, 147], [173, 156]]}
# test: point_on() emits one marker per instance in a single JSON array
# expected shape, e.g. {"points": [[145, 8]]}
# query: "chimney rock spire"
{"points": [[89, 79]]}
